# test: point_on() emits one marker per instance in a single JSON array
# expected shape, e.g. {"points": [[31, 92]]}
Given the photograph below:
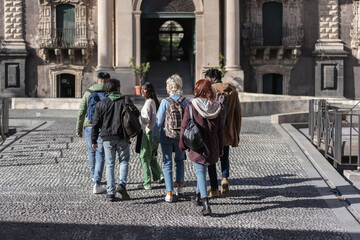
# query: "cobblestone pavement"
{"points": [[46, 193]]}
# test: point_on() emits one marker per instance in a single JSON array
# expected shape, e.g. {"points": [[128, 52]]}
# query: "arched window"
{"points": [[273, 83], [65, 86], [272, 23], [170, 35], [65, 25]]}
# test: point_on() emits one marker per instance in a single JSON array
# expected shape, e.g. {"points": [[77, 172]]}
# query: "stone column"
{"points": [[137, 38], [211, 33], [124, 33], [105, 35], [124, 45], [235, 75], [329, 52]]}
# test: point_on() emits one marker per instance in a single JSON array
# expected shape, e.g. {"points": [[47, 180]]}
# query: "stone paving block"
{"points": [[271, 195]]}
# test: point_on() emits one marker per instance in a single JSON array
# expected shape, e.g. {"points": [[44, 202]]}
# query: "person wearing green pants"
{"points": [[149, 149]]}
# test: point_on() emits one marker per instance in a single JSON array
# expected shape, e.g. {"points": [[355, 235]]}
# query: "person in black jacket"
{"points": [[107, 117]]}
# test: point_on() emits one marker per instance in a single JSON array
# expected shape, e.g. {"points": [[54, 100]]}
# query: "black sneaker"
{"points": [[161, 181], [110, 197], [122, 190]]}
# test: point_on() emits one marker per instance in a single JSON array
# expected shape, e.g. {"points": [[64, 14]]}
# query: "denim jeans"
{"points": [[201, 186], [96, 158], [225, 168], [168, 145], [121, 147]]}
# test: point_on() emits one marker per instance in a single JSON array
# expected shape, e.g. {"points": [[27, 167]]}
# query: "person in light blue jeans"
{"points": [[113, 147], [169, 145], [96, 158]]}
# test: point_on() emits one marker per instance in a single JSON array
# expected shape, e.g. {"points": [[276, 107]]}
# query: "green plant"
{"points": [[140, 70], [33, 93], [221, 66]]}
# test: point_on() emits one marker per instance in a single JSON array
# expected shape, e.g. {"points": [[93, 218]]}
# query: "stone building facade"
{"points": [[55, 48]]}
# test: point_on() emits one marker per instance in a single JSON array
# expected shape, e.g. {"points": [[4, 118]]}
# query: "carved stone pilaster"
{"points": [[13, 11], [329, 19], [329, 52], [355, 30]]}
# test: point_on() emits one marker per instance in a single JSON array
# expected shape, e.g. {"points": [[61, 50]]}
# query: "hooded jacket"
{"points": [[233, 113], [207, 114], [108, 117], [82, 121]]}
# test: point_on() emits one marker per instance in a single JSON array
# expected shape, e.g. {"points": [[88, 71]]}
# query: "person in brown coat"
{"points": [[231, 130], [206, 113]]}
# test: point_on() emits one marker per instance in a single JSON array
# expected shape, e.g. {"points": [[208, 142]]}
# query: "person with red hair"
{"points": [[206, 112]]}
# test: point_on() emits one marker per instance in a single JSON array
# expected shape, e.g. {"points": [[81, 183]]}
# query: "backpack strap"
{"points": [[190, 110], [126, 100], [181, 99]]}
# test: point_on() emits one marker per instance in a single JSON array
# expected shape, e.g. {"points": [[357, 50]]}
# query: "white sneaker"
{"points": [[168, 198], [180, 191], [98, 188]]}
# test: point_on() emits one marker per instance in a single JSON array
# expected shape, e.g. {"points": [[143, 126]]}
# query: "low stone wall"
{"points": [[273, 107], [45, 103], [251, 104]]}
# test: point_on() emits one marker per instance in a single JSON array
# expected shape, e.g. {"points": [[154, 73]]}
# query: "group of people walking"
{"points": [[215, 110]]}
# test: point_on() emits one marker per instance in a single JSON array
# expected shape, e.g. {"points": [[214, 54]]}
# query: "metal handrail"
{"points": [[327, 122]]}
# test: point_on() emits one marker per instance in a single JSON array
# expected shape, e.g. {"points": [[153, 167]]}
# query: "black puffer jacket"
{"points": [[108, 117]]}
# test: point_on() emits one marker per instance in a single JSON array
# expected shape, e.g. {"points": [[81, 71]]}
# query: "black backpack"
{"points": [[192, 136], [130, 117]]}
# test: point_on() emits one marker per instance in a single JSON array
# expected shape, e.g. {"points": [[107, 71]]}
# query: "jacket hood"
{"points": [[97, 87], [114, 95], [206, 108]]}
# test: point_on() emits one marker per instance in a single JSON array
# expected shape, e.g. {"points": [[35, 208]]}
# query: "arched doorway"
{"points": [[167, 41], [65, 86]]}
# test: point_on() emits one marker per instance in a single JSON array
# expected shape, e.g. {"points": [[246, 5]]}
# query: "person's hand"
{"points": [[79, 134], [94, 146], [221, 153]]}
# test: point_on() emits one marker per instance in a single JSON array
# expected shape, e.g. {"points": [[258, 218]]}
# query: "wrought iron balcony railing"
{"points": [[64, 37], [291, 36]]}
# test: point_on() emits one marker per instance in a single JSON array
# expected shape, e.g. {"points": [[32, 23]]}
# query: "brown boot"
{"points": [[213, 193], [225, 187]]}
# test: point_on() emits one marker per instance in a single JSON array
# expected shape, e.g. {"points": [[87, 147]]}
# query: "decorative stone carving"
{"points": [[292, 31], [50, 37], [13, 12], [355, 30], [151, 6], [329, 19], [292, 28]]}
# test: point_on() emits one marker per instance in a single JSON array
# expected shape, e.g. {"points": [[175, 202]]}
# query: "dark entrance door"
{"points": [[65, 86], [273, 83], [272, 24]]}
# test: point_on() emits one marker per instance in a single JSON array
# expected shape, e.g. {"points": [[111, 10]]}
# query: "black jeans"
{"points": [[225, 168]]}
